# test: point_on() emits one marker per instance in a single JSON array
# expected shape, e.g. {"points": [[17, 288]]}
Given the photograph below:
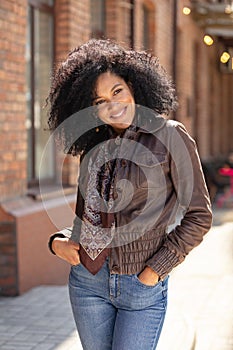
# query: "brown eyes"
{"points": [[117, 91], [99, 102]]}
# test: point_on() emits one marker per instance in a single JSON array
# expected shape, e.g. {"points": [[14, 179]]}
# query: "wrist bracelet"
{"points": [[50, 242]]}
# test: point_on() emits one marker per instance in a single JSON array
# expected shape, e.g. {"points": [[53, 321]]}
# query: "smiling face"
{"points": [[115, 101]]}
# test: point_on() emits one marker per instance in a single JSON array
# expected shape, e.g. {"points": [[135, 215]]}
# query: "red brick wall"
{"points": [[72, 26], [112, 20], [207, 114], [123, 29], [164, 33], [8, 255], [139, 25], [13, 137], [72, 29]]}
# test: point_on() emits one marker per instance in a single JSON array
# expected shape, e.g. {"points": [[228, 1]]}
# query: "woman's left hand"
{"points": [[148, 276]]}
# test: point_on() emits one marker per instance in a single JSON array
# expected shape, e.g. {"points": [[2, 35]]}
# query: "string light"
{"points": [[228, 10], [186, 10], [225, 57], [208, 40], [229, 7]]}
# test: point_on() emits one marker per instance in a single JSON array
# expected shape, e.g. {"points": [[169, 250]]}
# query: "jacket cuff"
{"points": [[163, 262]]}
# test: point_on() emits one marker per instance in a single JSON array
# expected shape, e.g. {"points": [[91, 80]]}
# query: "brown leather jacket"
{"points": [[162, 202]]}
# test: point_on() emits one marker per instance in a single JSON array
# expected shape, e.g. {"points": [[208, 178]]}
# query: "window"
{"points": [[39, 56], [146, 28], [97, 18]]}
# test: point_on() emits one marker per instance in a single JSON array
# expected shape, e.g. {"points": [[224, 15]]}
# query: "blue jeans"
{"points": [[116, 312]]}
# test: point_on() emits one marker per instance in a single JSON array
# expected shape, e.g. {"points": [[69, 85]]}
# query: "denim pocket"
{"points": [[143, 285], [79, 275], [140, 296], [75, 270], [76, 266]]}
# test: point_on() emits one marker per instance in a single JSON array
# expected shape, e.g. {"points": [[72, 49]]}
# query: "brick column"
{"points": [[72, 28], [13, 137], [8, 255], [13, 134]]}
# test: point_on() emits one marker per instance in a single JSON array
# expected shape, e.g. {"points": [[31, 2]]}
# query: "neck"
{"points": [[118, 131]]}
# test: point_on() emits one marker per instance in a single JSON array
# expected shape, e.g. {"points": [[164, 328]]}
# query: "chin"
{"points": [[121, 125]]}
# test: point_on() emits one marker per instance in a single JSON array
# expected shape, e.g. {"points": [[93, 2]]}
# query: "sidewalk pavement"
{"points": [[200, 308]]}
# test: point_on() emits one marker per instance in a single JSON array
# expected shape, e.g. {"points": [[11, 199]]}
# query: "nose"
{"points": [[112, 105]]}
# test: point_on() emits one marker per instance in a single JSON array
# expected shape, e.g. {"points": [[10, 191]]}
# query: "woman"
{"points": [[138, 170]]}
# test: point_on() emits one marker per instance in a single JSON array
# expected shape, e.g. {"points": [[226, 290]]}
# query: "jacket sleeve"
{"points": [[192, 195], [73, 232]]}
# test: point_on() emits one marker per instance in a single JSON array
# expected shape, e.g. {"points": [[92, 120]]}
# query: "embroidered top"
{"points": [[98, 224]]}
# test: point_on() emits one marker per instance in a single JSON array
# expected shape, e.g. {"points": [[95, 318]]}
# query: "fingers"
{"points": [[73, 257], [75, 260], [70, 255], [67, 250]]}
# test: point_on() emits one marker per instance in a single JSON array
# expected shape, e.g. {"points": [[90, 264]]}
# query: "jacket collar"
{"points": [[149, 121]]}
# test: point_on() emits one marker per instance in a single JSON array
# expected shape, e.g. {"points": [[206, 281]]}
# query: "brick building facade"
{"points": [[34, 35]]}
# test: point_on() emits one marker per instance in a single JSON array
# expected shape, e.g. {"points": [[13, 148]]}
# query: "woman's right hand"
{"points": [[67, 250]]}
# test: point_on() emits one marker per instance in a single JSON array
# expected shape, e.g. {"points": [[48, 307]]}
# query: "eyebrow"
{"points": [[115, 86]]}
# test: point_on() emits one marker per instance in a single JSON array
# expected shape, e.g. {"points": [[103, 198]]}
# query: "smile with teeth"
{"points": [[118, 115]]}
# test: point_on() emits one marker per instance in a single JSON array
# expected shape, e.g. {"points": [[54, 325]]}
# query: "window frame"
{"points": [[40, 5], [148, 13], [102, 32]]}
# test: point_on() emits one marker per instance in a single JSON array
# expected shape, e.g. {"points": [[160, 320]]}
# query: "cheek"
{"points": [[131, 107], [102, 114], [128, 97]]}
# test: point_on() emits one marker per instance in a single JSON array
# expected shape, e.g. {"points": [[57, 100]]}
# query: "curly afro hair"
{"points": [[72, 88]]}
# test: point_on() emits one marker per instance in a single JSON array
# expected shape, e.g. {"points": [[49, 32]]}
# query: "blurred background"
{"points": [[194, 42]]}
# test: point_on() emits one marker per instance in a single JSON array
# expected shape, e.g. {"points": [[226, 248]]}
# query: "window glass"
{"points": [[42, 58], [39, 56], [97, 18], [29, 97], [146, 29]]}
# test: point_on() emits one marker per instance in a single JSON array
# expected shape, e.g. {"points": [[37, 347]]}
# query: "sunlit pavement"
{"points": [[200, 309], [200, 312], [39, 319]]}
